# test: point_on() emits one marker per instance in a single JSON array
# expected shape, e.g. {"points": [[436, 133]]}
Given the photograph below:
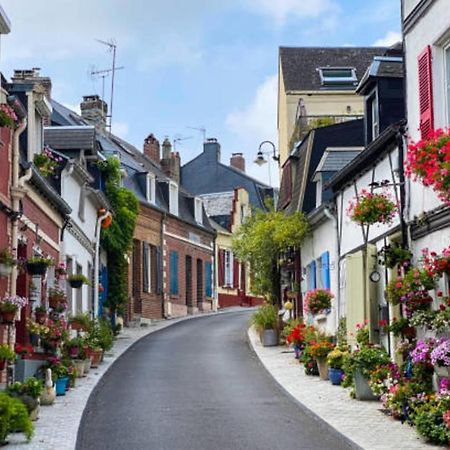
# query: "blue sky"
{"points": [[188, 63]]}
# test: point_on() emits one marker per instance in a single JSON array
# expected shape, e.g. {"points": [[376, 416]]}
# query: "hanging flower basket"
{"points": [[428, 161], [38, 265], [77, 280], [5, 270], [7, 316], [56, 296], [368, 208], [7, 262]]}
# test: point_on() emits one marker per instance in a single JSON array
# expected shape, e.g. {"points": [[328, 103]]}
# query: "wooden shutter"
{"points": [[145, 261], [325, 270], [221, 267], [235, 273], [153, 269], [286, 185], [208, 279], [425, 93]]}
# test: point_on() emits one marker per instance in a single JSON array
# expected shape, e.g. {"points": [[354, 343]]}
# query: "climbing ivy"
{"points": [[117, 239]]}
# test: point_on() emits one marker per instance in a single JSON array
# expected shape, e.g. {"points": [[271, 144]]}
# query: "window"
{"points": [[174, 272], [228, 268], [150, 188], [198, 211], [318, 190], [173, 198], [242, 214], [338, 76], [375, 117], [146, 268]]}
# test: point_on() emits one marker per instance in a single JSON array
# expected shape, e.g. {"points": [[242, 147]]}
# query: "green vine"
{"points": [[118, 237]]}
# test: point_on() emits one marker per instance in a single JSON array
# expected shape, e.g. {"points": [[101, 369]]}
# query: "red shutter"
{"points": [[235, 273], [425, 93], [221, 268]]}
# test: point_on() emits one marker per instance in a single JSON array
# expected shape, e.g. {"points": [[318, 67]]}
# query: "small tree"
{"points": [[260, 242]]}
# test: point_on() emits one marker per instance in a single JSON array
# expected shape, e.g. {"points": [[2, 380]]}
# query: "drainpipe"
{"points": [[332, 217], [165, 305], [401, 178], [17, 193], [98, 228]]}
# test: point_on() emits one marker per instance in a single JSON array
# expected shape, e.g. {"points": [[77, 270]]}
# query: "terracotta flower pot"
{"points": [[40, 317], [96, 357], [7, 316], [53, 302], [77, 326]]}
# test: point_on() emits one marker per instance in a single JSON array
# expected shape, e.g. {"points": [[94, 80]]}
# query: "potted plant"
{"points": [[80, 322], [28, 392], [394, 255], [9, 306], [74, 347], [317, 301], [56, 296], [47, 162], [440, 357], [6, 355], [8, 117], [296, 338], [335, 361], [319, 350], [13, 418], [369, 208], [265, 321], [360, 364], [23, 350], [61, 270], [40, 313], [77, 280], [38, 265], [7, 262]]}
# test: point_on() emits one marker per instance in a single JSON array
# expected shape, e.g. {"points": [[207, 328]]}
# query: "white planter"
{"points": [[269, 338], [442, 372], [5, 270]]}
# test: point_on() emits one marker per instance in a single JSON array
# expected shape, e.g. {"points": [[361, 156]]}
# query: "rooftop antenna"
{"points": [[178, 138], [103, 74], [112, 47], [201, 129]]}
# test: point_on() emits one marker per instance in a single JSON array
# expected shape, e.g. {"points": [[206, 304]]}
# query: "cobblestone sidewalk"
{"points": [[57, 426], [361, 422]]}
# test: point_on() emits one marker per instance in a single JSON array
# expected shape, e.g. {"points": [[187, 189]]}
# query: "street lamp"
{"points": [[261, 160]]}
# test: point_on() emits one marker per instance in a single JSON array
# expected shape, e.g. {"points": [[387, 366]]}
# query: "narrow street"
{"points": [[197, 385]]}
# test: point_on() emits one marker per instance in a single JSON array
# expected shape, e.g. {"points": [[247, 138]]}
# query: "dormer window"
{"points": [[150, 192], [338, 76], [372, 117], [173, 198], [198, 210]]}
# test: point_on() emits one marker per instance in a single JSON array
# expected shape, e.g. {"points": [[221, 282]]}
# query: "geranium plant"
{"points": [[429, 162], [8, 117], [47, 162], [436, 265], [321, 348], [317, 301], [368, 208]]}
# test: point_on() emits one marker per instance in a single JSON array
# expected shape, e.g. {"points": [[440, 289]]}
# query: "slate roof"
{"points": [[70, 137], [218, 204], [300, 64], [382, 67], [334, 160], [207, 175], [307, 156]]}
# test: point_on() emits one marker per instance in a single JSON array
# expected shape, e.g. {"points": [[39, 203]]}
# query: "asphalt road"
{"points": [[197, 385]]}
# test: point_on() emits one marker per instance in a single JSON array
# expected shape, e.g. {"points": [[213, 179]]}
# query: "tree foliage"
{"points": [[262, 239], [118, 237]]}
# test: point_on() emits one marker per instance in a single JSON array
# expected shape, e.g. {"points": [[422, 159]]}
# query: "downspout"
{"points": [[97, 258], [401, 178], [337, 250], [165, 305], [17, 194]]}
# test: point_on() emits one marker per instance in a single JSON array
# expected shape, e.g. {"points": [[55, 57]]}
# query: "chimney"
{"points": [[27, 76], [170, 162], [94, 110], [211, 148], [237, 161], [152, 148]]}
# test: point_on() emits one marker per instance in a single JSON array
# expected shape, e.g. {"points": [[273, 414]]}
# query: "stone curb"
{"points": [[361, 424], [57, 426]]}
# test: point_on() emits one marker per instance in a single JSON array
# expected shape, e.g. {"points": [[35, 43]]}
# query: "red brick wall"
{"points": [[38, 216]]}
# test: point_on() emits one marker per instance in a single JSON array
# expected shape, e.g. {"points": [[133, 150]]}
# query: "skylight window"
{"points": [[338, 76]]}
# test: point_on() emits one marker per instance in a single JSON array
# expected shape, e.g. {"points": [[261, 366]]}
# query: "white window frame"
{"points": [[375, 112], [352, 80], [198, 206], [228, 278], [173, 198], [150, 185]]}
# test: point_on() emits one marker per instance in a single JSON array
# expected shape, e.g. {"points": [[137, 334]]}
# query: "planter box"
{"points": [[362, 388], [26, 368], [269, 338]]}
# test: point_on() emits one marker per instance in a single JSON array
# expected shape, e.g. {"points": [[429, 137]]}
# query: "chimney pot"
{"points": [[152, 148], [237, 161], [94, 110]]}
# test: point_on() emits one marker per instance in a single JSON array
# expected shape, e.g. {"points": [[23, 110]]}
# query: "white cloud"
{"points": [[389, 39], [281, 10], [255, 123]]}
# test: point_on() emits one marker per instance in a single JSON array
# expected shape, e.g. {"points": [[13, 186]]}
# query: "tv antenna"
{"points": [[103, 74], [179, 138], [201, 129], [112, 47]]}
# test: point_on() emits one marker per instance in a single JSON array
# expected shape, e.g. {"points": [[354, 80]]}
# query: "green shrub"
{"points": [[265, 318], [14, 417]]}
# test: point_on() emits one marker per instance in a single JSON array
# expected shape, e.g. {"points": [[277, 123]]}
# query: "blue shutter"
{"points": [[174, 272], [325, 270], [313, 278], [208, 279]]}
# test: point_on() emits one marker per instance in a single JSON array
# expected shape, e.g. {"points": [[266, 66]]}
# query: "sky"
{"points": [[187, 63]]}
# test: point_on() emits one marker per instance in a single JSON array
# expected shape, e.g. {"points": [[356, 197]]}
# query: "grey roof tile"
{"points": [[70, 137]]}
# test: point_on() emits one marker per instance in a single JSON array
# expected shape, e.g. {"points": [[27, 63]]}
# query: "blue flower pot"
{"points": [[60, 385], [335, 376]]}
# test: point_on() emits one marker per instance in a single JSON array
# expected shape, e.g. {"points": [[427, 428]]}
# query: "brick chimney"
{"points": [[170, 162], [152, 148], [27, 76], [237, 161], [94, 110]]}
